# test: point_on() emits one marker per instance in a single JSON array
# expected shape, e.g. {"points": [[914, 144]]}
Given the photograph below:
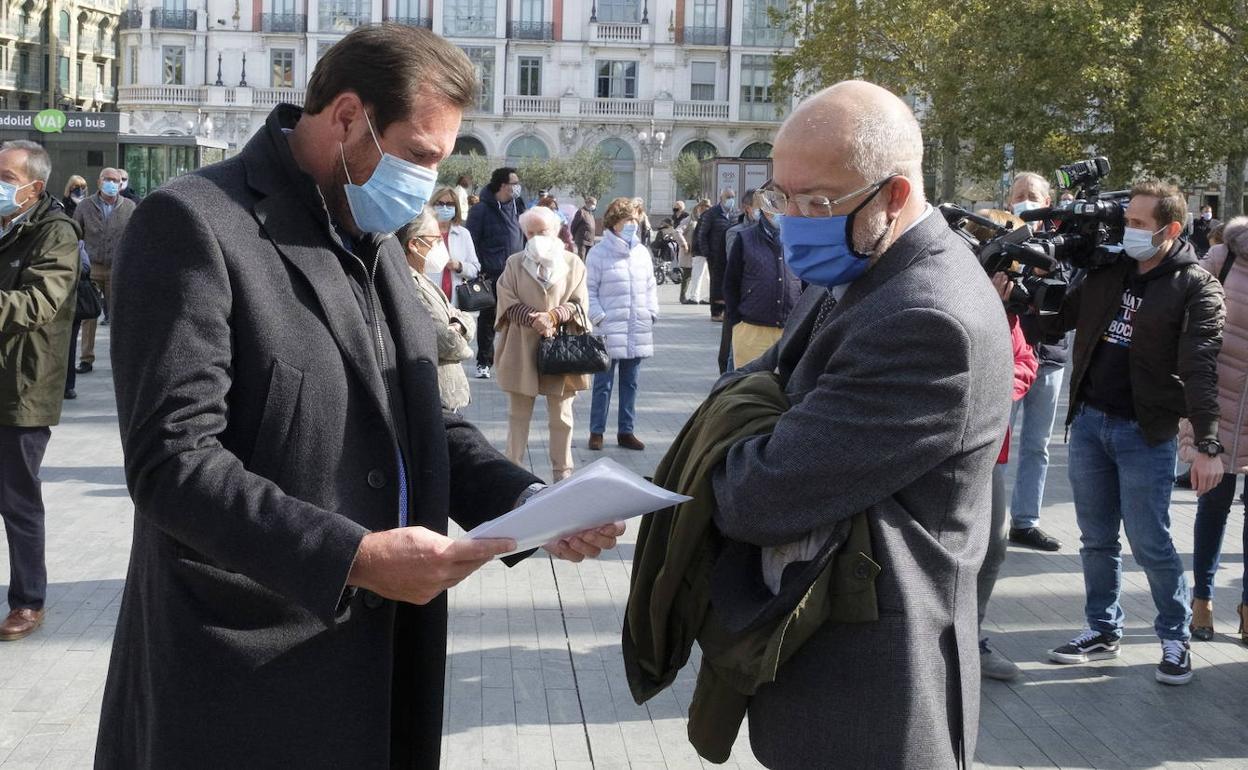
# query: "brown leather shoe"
{"points": [[20, 623], [1202, 619], [629, 441], [595, 441]]}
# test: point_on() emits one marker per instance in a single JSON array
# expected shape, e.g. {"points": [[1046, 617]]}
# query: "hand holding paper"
{"points": [[586, 506]]}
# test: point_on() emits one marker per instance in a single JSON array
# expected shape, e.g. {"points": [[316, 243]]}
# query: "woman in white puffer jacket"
{"points": [[623, 306]]}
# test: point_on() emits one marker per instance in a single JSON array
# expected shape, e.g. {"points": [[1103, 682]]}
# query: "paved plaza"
{"points": [[535, 676]]}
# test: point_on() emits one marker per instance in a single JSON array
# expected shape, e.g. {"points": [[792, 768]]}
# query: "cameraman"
{"points": [[1147, 334], [1039, 407]]}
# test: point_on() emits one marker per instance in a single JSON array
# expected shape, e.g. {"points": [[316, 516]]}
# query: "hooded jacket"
{"points": [[495, 229], [1176, 336], [38, 277], [623, 301]]}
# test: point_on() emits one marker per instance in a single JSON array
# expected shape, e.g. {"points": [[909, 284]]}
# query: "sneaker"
{"points": [[1088, 645], [1034, 537], [995, 666], [1176, 662], [483, 372], [84, 367]]}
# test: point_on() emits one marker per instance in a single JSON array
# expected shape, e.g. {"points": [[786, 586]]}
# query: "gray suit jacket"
{"points": [[260, 447], [899, 408]]}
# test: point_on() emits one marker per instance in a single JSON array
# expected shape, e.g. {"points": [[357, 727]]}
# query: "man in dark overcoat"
{"points": [[291, 468]]}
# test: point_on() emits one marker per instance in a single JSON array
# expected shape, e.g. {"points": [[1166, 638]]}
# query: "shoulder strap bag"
{"points": [[474, 295], [565, 353]]}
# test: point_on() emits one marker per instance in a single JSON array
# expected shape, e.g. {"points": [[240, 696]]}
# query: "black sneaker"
{"points": [[1176, 662], [85, 367], [1034, 537], [1088, 645]]}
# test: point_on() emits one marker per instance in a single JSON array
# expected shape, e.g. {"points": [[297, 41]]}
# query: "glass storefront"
{"points": [[151, 165]]}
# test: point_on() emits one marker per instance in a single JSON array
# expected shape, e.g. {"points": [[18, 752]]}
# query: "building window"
{"points": [[526, 148], [531, 11], [706, 13], [619, 10], [174, 65], [757, 100], [702, 81], [283, 62], [469, 18], [99, 75], [617, 80], [482, 59], [63, 28], [345, 15], [80, 82], [758, 29], [62, 74], [134, 64], [283, 7], [530, 76]]}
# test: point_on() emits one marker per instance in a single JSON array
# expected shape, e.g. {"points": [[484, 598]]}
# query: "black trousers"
{"points": [[71, 374], [21, 504], [717, 264], [485, 330]]}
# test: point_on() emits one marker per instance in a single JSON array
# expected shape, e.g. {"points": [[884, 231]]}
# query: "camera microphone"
{"points": [[1041, 214]]}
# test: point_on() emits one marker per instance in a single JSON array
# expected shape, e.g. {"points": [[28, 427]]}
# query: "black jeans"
{"points": [[71, 374], [485, 328], [1211, 512], [21, 504]]}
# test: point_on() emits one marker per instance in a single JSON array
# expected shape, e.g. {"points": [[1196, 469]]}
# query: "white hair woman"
{"points": [[426, 253], [1229, 262], [541, 288]]}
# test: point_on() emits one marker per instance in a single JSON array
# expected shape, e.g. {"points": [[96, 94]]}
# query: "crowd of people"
{"points": [[295, 445]]}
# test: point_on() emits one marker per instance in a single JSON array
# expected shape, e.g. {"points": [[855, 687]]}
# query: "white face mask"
{"points": [[1138, 244], [1022, 206], [516, 189], [437, 258]]}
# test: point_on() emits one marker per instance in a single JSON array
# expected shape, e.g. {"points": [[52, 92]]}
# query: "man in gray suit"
{"points": [[291, 467], [897, 362]]}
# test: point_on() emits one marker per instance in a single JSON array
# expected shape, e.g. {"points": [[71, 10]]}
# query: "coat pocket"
{"points": [[270, 451]]}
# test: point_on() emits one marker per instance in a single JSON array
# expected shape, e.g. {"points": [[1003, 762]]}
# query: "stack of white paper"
{"points": [[594, 496]]}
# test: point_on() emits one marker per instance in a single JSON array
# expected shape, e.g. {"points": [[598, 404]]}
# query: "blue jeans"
{"points": [[1211, 513], [1121, 481], [630, 369], [1039, 408]]}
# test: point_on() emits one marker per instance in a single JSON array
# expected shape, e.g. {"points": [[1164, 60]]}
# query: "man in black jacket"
{"points": [[760, 291], [291, 466], [494, 224], [1201, 228], [712, 243], [1148, 331]]}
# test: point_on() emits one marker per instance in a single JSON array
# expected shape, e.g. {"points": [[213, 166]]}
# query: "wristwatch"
{"points": [[1210, 446]]}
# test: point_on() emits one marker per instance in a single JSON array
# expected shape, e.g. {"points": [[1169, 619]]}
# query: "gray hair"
{"points": [[1235, 236], [886, 141], [540, 220], [38, 164], [423, 221], [1032, 176], [105, 171]]}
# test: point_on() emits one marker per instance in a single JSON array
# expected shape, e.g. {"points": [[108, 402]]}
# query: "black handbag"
{"points": [[566, 353], [89, 302], [474, 295]]}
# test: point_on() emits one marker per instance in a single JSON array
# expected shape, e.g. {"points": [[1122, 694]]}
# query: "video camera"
{"points": [[1085, 233]]}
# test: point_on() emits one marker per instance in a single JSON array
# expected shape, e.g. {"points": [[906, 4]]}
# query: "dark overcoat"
{"points": [[900, 404], [259, 449]]}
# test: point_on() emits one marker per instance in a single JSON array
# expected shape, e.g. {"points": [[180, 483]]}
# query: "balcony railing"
{"points": [[618, 32], [271, 97], [29, 31], [8, 80], [30, 81], [468, 26], [132, 18], [344, 18], [531, 105], [107, 48], [717, 36], [700, 110], [766, 37], [183, 95], [414, 21], [617, 108], [294, 23], [105, 94], [531, 30], [168, 18]]}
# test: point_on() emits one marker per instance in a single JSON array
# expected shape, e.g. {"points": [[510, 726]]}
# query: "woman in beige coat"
{"points": [[540, 288], [1214, 506]]}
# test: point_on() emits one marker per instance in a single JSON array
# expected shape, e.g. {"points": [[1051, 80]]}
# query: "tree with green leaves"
{"points": [[477, 166], [589, 173], [543, 174], [687, 173]]}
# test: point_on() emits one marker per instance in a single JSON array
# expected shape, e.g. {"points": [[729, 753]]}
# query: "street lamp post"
{"points": [[651, 143]]}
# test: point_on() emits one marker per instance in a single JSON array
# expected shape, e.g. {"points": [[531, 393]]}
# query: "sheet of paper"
{"points": [[598, 494]]}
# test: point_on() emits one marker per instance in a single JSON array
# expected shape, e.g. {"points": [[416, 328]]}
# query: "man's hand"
{"points": [[1002, 283], [1206, 473], [415, 565], [543, 323], [587, 544]]}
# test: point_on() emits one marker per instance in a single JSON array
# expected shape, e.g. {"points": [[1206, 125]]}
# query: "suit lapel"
{"points": [[296, 236]]}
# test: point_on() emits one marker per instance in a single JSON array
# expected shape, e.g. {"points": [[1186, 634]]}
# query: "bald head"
{"points": [[861, 126]]}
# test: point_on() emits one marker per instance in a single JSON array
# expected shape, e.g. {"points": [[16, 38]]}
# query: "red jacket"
{"points": [[1025, 368]]}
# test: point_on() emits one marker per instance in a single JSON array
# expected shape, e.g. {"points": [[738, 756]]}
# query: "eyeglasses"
{"points": [[444, 203], [426, 242], [775, 202]]}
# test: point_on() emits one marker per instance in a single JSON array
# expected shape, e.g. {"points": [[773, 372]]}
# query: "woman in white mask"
{"points": [[462, 265], [427, 255], [540, 289]]}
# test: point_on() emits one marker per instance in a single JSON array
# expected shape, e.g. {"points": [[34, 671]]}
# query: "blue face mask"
{"points": [[629, 232], [444, 213], [820, 251], [110, 188], [8, 198], [393, 196]]}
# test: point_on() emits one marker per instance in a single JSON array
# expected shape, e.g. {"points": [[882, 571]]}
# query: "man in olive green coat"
{"points": [[38, 277]]}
